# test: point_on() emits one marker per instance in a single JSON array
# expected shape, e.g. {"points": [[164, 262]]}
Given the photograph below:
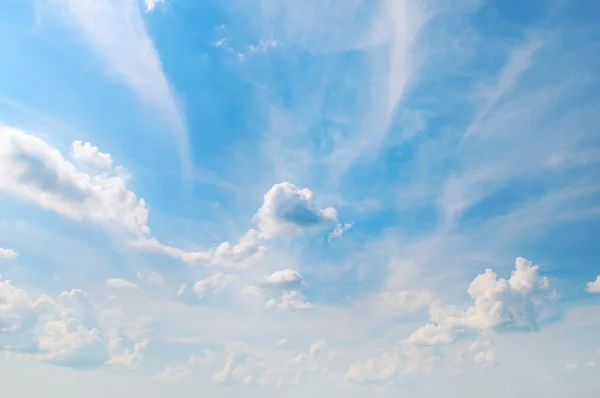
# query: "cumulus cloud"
{"points": [[34, 170], [87, 154], [338, 231], [7, 253], [283, 290], [594, 286], [290, 300], [242, 365], [212, 284], [288, 209], [118, 283], [483, 353], [391, 365], [499, 304], [70, 331], [122, 357], [18, 311], [285, 279]]}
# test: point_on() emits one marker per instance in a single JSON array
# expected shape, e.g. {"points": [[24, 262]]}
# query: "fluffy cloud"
{"points": [[283, 290], [88, 155], [288, 209], [482, 352], [403, 359], [338, 231], [17, 310], [34, 170], [242, 365], [285, 279], [7, 253], [71, 331], [594, 286], [122, 357], [499, 304], [118, 283], [212, 284]]}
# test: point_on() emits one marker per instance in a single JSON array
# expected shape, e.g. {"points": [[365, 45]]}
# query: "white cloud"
{"points": [[431, 335], [212, 284], [242, 365], [115, 31], [571, 366], [338, 231], [483, 353], [499, 304], [283, 290], [285, 279], [226, 254], [288, 209], [285, 210], [290, 300], [69, 331], [391, 365], [281, 342], [594, 286], [7, 253], [87, 154], [121, 357], [118, 283], [590, 364], [17, 310], [150, 4], [32, 169]]}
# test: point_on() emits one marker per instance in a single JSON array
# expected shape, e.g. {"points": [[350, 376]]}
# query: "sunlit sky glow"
{"points": [[299, 198]]}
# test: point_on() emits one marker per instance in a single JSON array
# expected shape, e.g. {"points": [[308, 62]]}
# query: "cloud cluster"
{"points": [[34, 170], [283, 291], [517, 303], [286, 210], [72, 330], [499, 304]]}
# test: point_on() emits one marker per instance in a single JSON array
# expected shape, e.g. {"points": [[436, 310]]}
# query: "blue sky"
{"points": [[293, 198]]}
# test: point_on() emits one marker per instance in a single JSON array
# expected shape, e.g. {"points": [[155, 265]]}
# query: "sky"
{"points": [[253, 198]]}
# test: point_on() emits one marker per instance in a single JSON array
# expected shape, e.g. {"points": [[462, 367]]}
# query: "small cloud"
{"points": [[281, 342], [220, 42], [151, 4], [7, 253], [590, 364], [594, 286], [338, 231], [118, 283]]}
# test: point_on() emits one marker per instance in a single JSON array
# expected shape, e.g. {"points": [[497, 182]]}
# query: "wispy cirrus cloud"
{"points": [[116, 32]]}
